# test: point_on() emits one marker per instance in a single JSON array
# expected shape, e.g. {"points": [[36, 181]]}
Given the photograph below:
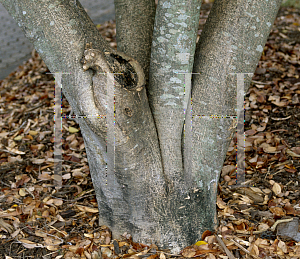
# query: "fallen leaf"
{"points": [[38, 161], [87, 209], [73, 130], [199, 243], [276, 189], [16, 151]]}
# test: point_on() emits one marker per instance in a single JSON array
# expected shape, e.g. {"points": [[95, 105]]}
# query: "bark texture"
{"points": [[142, 184], [172, 57], [134, 26], [232, 41], [128, 195]]}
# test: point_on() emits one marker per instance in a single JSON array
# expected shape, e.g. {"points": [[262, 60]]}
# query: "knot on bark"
{"points": [[127, 71]]}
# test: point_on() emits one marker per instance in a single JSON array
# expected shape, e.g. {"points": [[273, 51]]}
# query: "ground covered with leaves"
{"points": [[259, 220]]}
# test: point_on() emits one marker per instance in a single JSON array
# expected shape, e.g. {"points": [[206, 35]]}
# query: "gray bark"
{"points": [[127, 198], [232, 41], [172, 57], [134, 26], [148, 190]]}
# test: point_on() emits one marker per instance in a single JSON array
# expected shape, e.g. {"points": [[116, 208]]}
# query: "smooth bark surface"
{"points": [[134, 26], [232, 41], [172, 57]]}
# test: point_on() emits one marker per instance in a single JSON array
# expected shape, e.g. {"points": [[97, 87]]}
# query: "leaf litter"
{"points": [[259, 220]]}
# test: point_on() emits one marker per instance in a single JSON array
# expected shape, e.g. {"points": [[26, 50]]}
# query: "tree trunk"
{"points": [[152, 179], [232, 41]]}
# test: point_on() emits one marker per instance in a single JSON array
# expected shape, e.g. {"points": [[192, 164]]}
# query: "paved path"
{"points": [[15, 48]]}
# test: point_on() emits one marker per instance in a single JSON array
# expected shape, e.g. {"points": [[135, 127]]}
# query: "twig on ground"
{"points": [[228, 253]]}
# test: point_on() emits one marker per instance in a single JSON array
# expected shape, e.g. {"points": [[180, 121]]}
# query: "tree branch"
{"points": [[172, 57], [134, 25]]}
